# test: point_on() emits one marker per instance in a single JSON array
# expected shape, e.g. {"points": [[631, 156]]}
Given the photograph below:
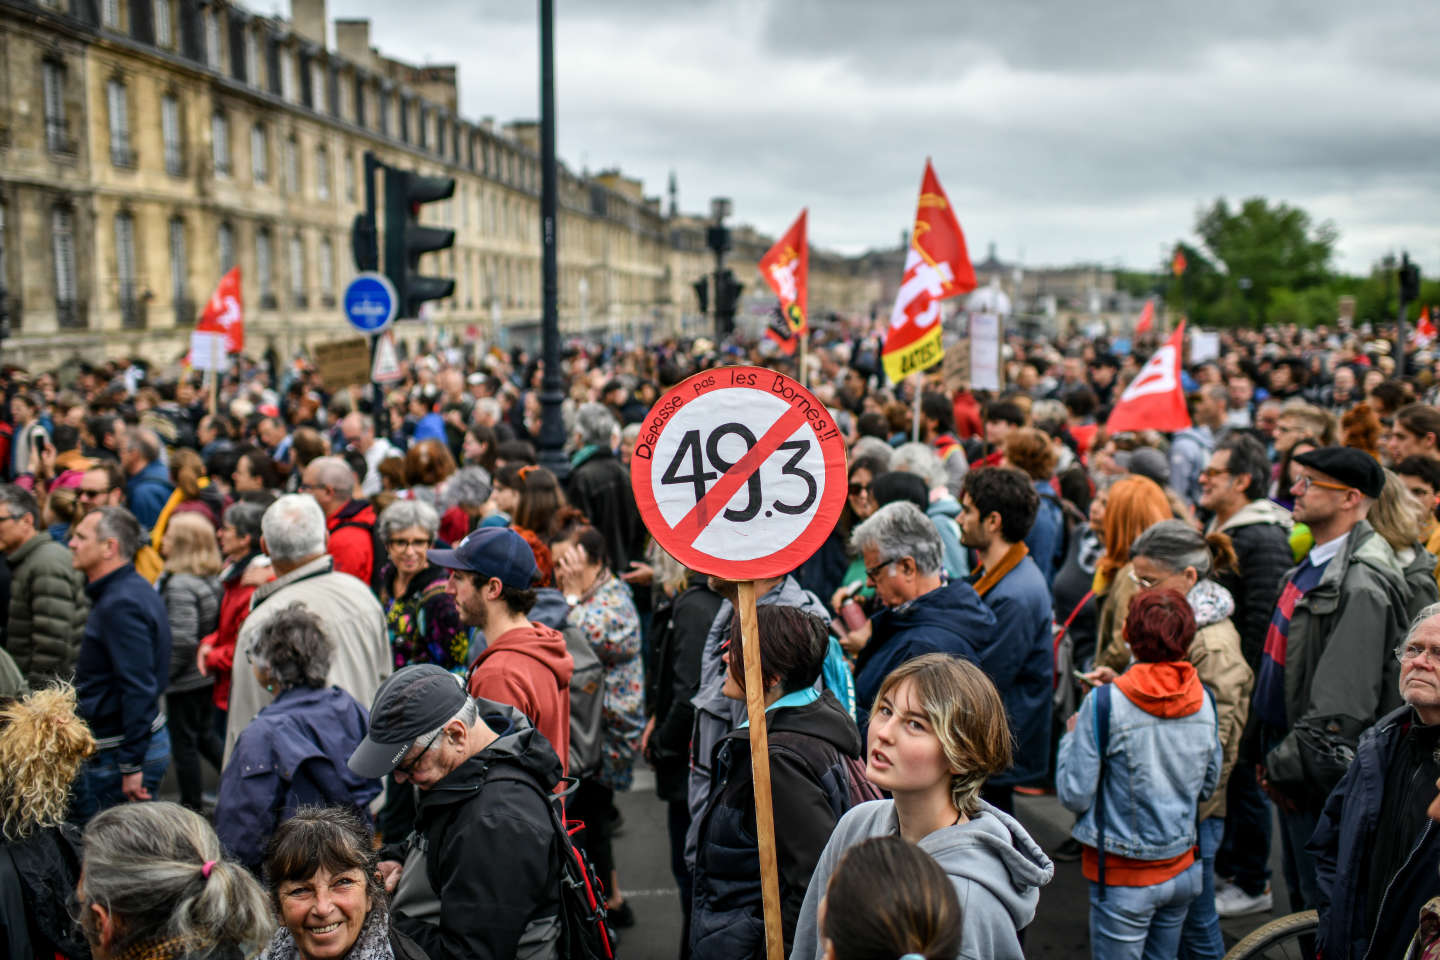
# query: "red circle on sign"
{"points": [[804, 410]]}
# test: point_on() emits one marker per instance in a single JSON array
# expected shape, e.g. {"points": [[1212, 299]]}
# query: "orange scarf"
{"points": [[1010, 561], [1167, 689]]}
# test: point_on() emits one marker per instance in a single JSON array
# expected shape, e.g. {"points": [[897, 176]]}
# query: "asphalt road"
{"points": [[1061, 930]]}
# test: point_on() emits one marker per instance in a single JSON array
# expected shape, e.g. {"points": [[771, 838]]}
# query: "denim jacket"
{"points": [[1156, 771]]}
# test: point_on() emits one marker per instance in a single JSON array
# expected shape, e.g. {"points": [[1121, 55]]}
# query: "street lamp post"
{"points": [[551, 448]]}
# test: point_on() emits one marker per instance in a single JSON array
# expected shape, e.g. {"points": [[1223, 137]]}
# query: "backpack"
{"points": [[585, 932], [587, 705]]}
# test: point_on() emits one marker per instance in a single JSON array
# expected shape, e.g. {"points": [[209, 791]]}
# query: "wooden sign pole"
{"points": [[214, 375], [760, 771]]}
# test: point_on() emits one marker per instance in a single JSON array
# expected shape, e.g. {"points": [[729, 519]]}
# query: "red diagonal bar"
{"points": [[710, 505]]}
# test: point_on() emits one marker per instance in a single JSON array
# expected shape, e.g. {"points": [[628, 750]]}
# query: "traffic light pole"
{"points": [[370, 256], [551, 448]]}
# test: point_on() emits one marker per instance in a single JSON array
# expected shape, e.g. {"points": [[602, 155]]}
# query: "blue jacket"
{"points": [[291, 755], [147, 492], [950, 620], [945, 515], [1020, 660], [1046, 538], [1156, 772], [1342, 845], [124, 664]]}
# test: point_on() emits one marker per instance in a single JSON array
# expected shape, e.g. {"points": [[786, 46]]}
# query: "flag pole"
{"points": [[804, 377], [214, 378], [919, 384]]}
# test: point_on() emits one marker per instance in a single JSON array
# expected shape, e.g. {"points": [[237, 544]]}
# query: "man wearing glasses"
{"points": [[1326, 672], [477, 877], [1375, 848]]}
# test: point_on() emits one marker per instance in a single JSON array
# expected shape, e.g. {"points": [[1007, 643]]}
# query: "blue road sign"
{"points": [[370, 302]]}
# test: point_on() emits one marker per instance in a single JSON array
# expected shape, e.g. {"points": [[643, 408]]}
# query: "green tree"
{"points": [[1265, 248]]}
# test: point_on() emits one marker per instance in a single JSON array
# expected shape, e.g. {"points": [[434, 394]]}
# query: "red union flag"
{"points": [[224, 314], [1155, 400], [786, 269], [1146, 323], [937, 266]]}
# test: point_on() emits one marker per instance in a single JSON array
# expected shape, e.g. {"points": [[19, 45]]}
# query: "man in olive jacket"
{"points": [[48, 604]]}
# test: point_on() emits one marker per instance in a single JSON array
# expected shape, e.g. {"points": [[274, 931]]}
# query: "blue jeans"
{"points": [[98, 785], [1142, 923], [1295, 831], [1200, 938]]}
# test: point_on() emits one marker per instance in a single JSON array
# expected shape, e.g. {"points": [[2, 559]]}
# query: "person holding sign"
{"points": [[813, 753], [937, 732]]}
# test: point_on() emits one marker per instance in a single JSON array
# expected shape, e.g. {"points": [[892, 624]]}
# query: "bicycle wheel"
{"points": [[1291, 937]]}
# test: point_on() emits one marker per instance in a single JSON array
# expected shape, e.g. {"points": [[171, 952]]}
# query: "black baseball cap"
{"points": [[492, 552], [1354, 468], [412, 702]]}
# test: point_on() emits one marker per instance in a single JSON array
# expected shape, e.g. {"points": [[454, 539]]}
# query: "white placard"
{"points": [[984, 351], [1204, 346], [207, 351]]}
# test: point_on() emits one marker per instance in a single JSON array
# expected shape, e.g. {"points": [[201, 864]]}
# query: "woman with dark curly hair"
{"points": [[324, 881], [293, 753]]}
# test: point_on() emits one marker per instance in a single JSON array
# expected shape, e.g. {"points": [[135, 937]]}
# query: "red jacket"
{"points": [[529, 668], [967, 415], [234, 608], [352, 539]]}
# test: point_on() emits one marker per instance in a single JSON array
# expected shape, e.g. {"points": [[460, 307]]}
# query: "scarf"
{"points": [[177, 497], [372, 944], [170, 949], [1010, 561]]}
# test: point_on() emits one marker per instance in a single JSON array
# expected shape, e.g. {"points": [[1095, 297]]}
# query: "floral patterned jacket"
{"points": [[607, 618], [424, 625]]}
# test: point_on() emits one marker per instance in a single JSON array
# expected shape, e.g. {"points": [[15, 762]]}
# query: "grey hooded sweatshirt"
{"points": [[996, 867]]}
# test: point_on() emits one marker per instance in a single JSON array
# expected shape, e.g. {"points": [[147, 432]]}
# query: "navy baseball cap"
{"points": [[412, 701], [492, 552]]}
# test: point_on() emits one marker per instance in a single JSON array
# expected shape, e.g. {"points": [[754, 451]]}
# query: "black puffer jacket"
{"points": [[678, 630], [809, 745], [37, 875], [488, 849], [599, 486], [48, 607], [1260, 534]]}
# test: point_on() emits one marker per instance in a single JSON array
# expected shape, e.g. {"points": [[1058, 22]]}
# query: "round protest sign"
{"points": [[739, 472]]}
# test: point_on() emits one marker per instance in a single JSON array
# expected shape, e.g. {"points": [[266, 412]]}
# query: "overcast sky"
{"points": [[1062, 131]]}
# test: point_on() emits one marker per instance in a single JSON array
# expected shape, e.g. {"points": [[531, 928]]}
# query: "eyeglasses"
{"points": [[403, 545], [1304, 482], [84, 494], [1144, 583], [6, 516], [1408, 652], [856, 489], [874, 572], [408, 767], [1214, 473]]}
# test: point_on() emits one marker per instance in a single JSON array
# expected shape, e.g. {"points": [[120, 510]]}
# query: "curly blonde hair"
{"points": [[42, 745]]}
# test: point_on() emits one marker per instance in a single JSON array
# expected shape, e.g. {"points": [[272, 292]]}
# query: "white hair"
{"points": [[921, 460], [293, 528]]}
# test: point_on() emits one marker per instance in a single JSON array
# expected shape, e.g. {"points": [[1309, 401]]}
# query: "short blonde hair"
{"points": [[193, 547], [42, 746], [967, 715]]}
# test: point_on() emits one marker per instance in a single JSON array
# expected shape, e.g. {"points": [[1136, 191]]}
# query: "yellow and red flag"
{"points": [[937, 266], [786, 268]]}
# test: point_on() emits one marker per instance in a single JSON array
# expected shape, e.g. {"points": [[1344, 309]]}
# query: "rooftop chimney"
{"points": [[307, 18], [352, 39]]}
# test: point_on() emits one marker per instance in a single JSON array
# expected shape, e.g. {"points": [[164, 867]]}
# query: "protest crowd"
{"points": [[411, 656]]}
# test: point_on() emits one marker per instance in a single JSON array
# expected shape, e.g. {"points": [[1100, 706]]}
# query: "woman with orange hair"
{"points": [[1134, 505]]}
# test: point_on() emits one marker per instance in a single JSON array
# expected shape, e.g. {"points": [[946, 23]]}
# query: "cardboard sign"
{"points": [[343, 363]]}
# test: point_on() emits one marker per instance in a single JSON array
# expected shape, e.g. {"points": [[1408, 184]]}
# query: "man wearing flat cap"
{"points": [[476, 879], [1327, 673]]}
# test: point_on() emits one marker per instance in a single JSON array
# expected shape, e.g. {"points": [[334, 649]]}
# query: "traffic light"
{"points": [[702, 294], [406, 239], [1409, 280], [727, 298]]}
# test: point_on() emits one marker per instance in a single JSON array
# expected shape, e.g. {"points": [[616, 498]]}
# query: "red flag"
{"points": [[1155, 400], [1425, 327], [1146, 323], [224, 314], [1177, 265], [936, 267], [786, 268]]}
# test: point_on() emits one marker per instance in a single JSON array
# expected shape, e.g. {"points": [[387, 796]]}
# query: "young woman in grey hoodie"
{"points": [[937, 731]]}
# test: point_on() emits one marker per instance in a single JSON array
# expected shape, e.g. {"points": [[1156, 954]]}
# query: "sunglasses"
{"points": [[857, 489]]}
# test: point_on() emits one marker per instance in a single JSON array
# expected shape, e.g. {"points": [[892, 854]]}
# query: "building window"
{"points": [[440, 136], [110, 14], [53, 75], [327, 272], [297, 270], [220, 142], [225, 243], [404, 120], [62, 245], [179, 272], [350, 177], [359, 102], [319, 89], [164, 32], [264, 273], [292, 165], [211, 20], [322, 173], [125, 270], [170, 134], [342, 87], [424, 122], [120, 153], [3, 281], [287, 75], [252, 58], [259, 153], [385, 100]]}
